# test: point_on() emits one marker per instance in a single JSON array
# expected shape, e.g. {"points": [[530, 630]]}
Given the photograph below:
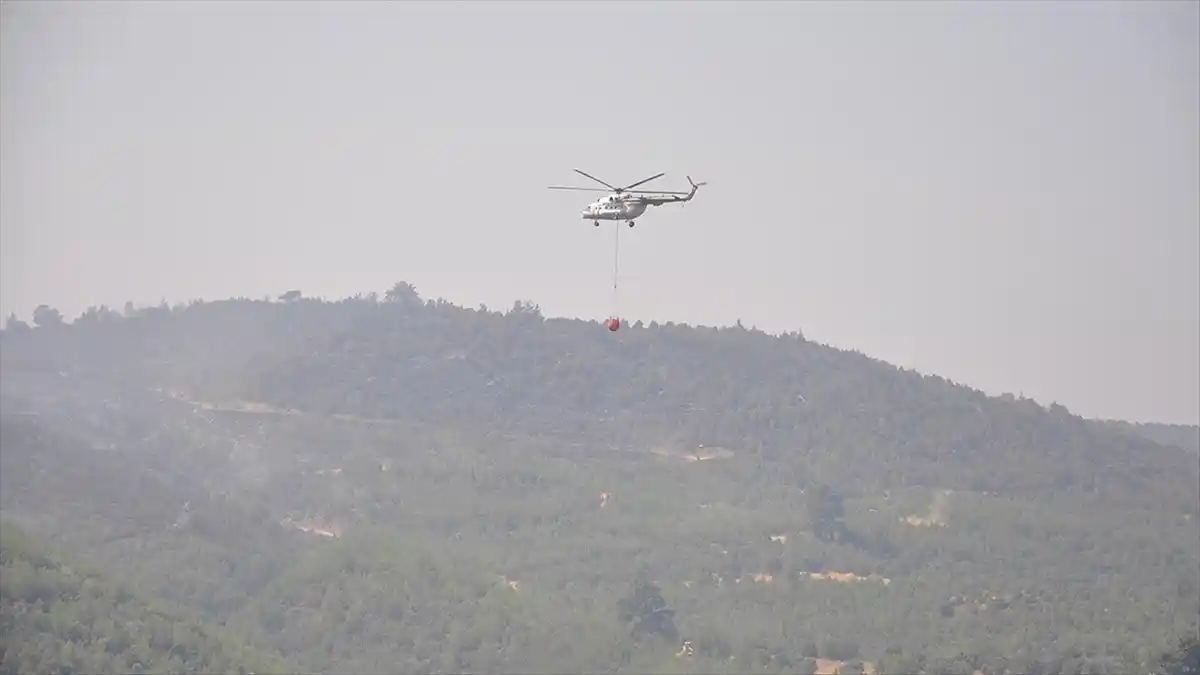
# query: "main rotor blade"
{"points": [[597, 180], [560, 187], [653, 192], [647, 180]]}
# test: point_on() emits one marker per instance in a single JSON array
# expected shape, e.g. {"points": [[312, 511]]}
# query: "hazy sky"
{"points": [[1004, 194]]}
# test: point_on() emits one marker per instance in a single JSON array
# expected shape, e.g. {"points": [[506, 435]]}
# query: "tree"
{"points": [[403, 293], [825, 512], [526, 308], [46, 315], [646, 613], [15, 325], [96, 314]]}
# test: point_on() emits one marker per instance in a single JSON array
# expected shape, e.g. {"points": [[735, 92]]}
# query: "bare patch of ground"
{"points": [[315, 526], [847, 577], [939, 512], [701, 453]]}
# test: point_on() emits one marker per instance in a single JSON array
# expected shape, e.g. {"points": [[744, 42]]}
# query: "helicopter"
{"points": [[626, 203]]}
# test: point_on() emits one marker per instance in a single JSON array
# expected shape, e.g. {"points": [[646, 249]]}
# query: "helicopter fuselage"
{"points": [[614, 208]]}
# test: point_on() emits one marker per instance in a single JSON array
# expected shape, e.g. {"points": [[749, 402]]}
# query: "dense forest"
{"points": [[1179, 435], [392, 484], [59, 616]]}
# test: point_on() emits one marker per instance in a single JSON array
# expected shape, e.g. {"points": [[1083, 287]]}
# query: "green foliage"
{"points": [[826, 513], [409, 486], [47, 317], [1178, 435], [58, 617], [646, 613]]}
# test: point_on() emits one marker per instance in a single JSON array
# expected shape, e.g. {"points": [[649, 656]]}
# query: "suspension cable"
{"points": [[616, 265]]}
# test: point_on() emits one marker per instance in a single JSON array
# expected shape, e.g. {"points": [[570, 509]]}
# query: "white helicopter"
{"points": [[627, 204]]}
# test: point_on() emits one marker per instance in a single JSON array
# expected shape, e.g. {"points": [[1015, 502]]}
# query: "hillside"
{"points": [[58, 616], [395, 485], [1179, 435]]}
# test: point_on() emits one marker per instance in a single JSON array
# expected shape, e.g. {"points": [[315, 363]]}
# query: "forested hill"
{"points": [[57, 611], [1178, 435], [855, 420], [381, 481], [770, 397]]}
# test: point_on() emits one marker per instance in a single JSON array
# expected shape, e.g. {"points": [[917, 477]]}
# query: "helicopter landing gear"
{"points": [[629, 223], [596, 223]]}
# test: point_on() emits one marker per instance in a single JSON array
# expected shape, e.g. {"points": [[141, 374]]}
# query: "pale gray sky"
{"points": [[1003, 194]]}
